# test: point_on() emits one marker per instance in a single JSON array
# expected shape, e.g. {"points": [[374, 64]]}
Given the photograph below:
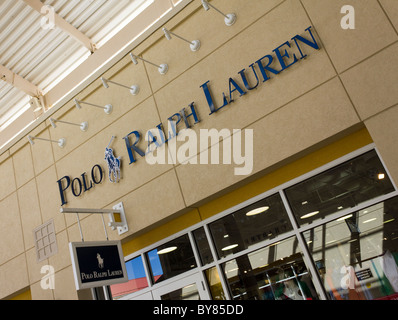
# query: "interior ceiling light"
{"points": [[134, 89], [194, 45], [163, 68], [229, 19], [381, 176], [257, 211], [61, 142], [107, 109], [344, 218], [167, 250], [230, 247], [369, 220], [308, 215], [83, 126]]}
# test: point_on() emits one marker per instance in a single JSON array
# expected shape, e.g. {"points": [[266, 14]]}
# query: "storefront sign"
{"points": [[281, 58], [97, 264], [81, 184], [85, 182], [113, 164], [173, 121], [275, 63]]}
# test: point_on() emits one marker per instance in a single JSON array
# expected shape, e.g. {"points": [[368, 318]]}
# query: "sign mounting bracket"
{"points": [[117, 216]]}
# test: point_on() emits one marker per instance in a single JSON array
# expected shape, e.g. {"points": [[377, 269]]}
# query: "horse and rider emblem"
{"points": [[100, 261], [113, 164]]}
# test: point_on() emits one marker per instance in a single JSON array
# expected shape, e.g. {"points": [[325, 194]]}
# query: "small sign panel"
{"points": [[97, 264], [364, 274]]}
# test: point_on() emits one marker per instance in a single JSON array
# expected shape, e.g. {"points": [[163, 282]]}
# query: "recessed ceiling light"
{"points": [[345, 217], [370, 220], [167, 250], [381, 176], [308, 215], [257, 211], [232, 246]]}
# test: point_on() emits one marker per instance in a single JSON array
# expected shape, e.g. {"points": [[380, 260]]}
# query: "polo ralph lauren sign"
{"points": [[85, 182], [281, 58], [113, 164], [80, 184], [97, 264], [245, 81]]}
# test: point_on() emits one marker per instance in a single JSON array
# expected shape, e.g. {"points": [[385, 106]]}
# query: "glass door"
{"points": [[276, 272], [189, 288]]}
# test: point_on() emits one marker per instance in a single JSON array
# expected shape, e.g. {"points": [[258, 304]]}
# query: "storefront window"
{"points": [[137, 279], [260, 221], [203, 246], [276, 272], [357, 255], [214, 282], [171, 259], [189, 292], [345, 186], [354, 257]]}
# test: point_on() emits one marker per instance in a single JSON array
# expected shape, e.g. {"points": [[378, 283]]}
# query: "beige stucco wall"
{"points": [[350, 82]]}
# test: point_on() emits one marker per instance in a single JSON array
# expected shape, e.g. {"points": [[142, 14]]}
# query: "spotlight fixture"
{"points": [[83, 126], [229, 19], [61, 142], [134, 90], [194, 45], [107, 109], [163, 68]]}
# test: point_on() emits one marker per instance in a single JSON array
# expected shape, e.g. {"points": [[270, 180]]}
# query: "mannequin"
{"points": [[289, 290]]}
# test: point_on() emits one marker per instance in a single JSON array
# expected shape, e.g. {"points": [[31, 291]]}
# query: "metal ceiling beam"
{"points": [[63, 24], [19, 82]]}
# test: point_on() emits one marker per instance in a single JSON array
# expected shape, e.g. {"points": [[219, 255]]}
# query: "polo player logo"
{"points": [[100, 261], [113, 164]]}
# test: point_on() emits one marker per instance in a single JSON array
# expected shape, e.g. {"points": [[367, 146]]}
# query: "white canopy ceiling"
{"points": [[35, 55]]}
